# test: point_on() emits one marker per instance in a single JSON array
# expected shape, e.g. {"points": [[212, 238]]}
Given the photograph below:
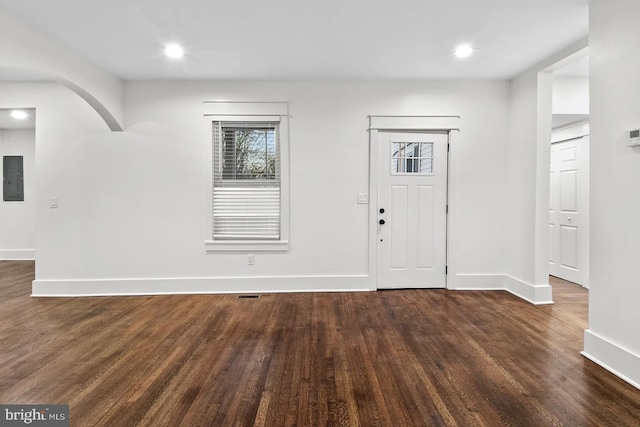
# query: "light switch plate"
{"points": [[363, 198], [54, 203]]}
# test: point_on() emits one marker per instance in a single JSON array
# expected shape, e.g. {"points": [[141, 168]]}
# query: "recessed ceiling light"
{"points": [[19, 115], [173, 51], [464, 51]]}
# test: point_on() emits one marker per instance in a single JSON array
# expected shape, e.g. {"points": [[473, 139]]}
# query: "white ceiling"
{"points": [[297, 39], [8, 122]]}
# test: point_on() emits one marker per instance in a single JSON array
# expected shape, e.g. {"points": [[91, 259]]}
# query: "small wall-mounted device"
{"points": [[363, 198], [633, 137]]}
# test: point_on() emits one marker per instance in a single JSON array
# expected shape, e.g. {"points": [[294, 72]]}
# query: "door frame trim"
{"points": [[426, 124]]}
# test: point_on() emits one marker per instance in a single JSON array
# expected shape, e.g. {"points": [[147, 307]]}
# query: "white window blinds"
{"points": [[246, 181]]}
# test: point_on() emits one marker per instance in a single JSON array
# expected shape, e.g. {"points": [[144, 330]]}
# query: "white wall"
{"points": [[65, 124], [17, 219], [570, 95], [528, 192], [132, 204], [613, 337], [27, 49], [521, 178], [527, 199]]}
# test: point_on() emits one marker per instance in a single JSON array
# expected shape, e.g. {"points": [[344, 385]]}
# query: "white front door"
{"points": [[412, 201], [569, 211]]}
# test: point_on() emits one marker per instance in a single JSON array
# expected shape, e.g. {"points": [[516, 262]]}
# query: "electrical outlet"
{"points": [[251, 259]]}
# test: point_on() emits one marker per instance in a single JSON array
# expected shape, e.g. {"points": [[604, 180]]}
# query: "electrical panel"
{"points": [[633, 137]]}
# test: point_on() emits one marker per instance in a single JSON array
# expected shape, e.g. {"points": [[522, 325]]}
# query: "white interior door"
{"points": [[569, 211], [412, 199]]}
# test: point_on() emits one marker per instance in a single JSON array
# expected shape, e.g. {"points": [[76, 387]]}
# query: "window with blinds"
{"points": [[246, 181]]}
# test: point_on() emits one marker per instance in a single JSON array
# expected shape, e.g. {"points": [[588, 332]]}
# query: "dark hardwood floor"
{"points": [[391, 358]]}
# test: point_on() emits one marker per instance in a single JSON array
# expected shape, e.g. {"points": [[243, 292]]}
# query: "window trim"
{"points": [[248, 246]]}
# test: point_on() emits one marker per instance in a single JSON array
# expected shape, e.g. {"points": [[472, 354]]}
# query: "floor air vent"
{"points": [[248, 297]]}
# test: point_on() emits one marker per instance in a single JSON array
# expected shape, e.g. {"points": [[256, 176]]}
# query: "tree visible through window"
{"points": [[249, 153]]}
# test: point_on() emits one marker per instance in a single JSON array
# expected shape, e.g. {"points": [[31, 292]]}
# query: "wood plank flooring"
{"points": [[389, 358]]}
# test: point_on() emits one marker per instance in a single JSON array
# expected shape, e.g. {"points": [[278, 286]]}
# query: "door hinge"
{"points": [[446, 269], [448, 147], [447, 210]]}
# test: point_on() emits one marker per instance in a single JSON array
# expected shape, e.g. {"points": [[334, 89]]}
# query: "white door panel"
{"points": [[569, 211], [412, 191], [569, 253], [552, 244], [568, 191], [426, 233], [553, 196], [398, 222], [568, 154]]}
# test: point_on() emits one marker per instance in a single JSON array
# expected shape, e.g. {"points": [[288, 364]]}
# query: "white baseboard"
{"points": [[17, 254], [612, 357], [218, 285], [535, 294], [199, 285], [478, 282]]}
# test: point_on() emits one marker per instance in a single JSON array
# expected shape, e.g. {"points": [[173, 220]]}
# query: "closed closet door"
{"points": [[569, 211]]}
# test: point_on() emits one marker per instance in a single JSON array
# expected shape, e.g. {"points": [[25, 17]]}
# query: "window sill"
{"points": [[246, 246]]}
